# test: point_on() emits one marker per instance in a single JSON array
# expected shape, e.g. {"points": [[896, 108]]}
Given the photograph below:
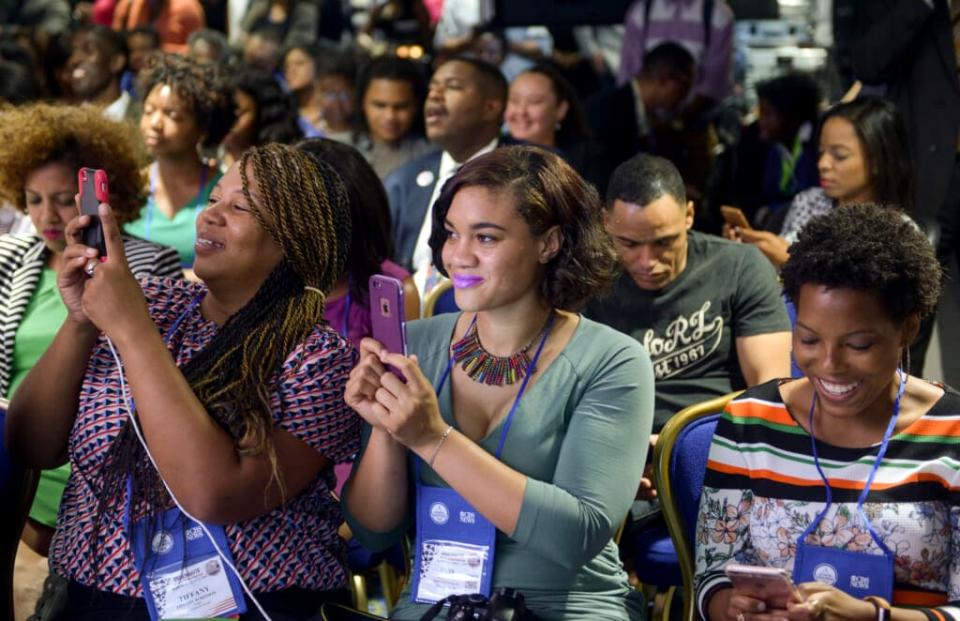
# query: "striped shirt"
{"points": [[22, 258], [294, 545], [762, 490]]}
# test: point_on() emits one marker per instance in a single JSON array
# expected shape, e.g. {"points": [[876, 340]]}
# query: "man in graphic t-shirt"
{"points": [[708, 311]]}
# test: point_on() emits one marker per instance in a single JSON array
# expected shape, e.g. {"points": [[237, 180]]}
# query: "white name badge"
{"points": [[198, 590], [450, 568]]}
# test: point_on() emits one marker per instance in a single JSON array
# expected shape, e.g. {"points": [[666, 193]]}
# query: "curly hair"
{"points": [[548, 192], [39, 134], [303, 206], [202, 87], [871, 249], [276, 110]]}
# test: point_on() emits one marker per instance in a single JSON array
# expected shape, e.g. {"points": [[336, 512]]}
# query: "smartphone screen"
{"points": [[387, 320], [93, 191], [771, 585]]}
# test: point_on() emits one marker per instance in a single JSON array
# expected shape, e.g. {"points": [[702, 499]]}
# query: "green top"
{"points": [[42, 318], [179, 233], [580, 434]]}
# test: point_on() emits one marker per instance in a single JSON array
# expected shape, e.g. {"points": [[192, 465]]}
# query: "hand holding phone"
{"points": [[771, 585], [387, 319], [93, 191], [734, 216]]}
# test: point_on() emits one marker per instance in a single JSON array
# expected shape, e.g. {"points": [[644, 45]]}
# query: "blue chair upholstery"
{"points": [[440, 300], [679, 465], [17, 485]]}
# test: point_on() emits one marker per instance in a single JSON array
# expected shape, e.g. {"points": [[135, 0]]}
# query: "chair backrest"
{"points": [[679, 463], [440, 300], [17, 485]]}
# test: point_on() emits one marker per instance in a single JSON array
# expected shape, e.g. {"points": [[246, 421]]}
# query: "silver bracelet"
{"points": [[437, 448]]}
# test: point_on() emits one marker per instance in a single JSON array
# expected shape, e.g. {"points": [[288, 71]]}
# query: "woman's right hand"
{"points": [[364, 381], [71, 280]]}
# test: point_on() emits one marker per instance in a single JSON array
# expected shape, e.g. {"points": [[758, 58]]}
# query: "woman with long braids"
{"points": [[237, 387], [521, 429]]}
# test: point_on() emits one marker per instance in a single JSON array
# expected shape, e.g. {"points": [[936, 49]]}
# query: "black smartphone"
{"points": [[93, 191]]}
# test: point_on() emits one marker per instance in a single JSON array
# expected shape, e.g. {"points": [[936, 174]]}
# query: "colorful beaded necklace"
{"points": [[486, 368]]}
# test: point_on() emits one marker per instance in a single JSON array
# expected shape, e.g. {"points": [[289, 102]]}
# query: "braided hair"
{"points": [[304, 208]]}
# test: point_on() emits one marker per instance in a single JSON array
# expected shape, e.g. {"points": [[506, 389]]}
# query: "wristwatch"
{"points": [[881, 605]]}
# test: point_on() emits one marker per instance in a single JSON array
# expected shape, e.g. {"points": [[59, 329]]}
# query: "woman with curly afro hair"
{"points": [[41, 148], [186, 107], [847, 476]]}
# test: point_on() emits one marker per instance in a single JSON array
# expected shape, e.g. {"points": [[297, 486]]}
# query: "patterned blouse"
{"points": [[294, 545], [762, 490], [806, 205]]}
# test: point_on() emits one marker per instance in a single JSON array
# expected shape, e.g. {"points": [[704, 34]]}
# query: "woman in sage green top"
{"points": [[572, 405], [41, 149]]}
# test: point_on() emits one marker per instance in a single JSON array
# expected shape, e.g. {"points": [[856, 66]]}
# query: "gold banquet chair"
{"points": [[679, 464]]}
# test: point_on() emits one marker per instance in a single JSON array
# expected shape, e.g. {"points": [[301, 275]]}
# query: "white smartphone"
{"points": [[772, 585]]}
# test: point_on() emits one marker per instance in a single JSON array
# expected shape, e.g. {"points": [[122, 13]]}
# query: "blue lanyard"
{"points": [[152, 200], [873, 471], [345, 329], [166, 341], [523, 387]]}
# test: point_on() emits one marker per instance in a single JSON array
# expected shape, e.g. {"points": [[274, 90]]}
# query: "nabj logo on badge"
{"points": [[162, 542], [825, 573], [439, 513]]}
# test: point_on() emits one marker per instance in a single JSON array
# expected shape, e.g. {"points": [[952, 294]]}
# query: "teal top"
{"points": [[580, 435], [42, 318], [179, 233]]}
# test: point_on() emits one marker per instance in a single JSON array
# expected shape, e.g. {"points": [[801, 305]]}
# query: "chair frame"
{"points": [[431, 299], [662, 455]]}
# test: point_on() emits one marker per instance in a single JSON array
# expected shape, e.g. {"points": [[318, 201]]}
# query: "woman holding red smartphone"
{"points": [[844, 478], [236, 383], [517, 441]]}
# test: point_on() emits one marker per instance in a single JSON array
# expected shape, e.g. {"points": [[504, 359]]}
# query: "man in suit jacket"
{"points": [[621, 118], [908, 46], [98, 58], [463, 112]]}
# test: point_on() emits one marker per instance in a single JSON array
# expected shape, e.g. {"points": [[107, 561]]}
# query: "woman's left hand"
{"points": [[112, 298], [823, 602], [413, 414]]}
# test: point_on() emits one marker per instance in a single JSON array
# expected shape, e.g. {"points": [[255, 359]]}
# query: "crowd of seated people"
{"points": [[203, 395]]}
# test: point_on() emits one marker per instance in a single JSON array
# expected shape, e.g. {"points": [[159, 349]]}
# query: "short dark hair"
{"points": [[115, 42], [202, 88], [795, 96], [574, 127], [372, 242], [399, 70], [883, 138], [548, 192], [643, 179], [277, 111], [214, 38], [668, 59], [490, 78], [148, 31], [867, 248]]}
